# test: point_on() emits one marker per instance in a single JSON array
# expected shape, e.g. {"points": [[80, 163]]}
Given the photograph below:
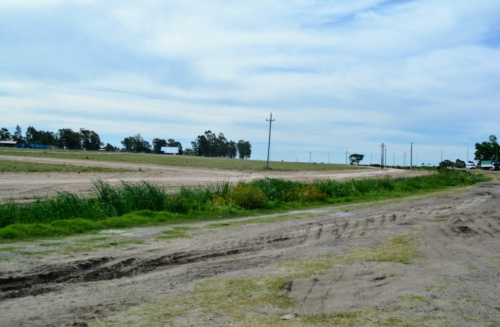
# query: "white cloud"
{"points": [[343, 74]]}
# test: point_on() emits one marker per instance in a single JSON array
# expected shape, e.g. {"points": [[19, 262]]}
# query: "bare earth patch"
{"points": [[421, 262], [29, 186]]}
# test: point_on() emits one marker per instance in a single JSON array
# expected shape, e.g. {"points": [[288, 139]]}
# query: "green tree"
{"points": [[232, 150], [136, 144], [5, 134], [110, 148], [90, 140], [244, 149], [221, 146], [459, 163], [18, 135], [488, 150], [158, 144], [68, 139], [356, 158], [31, 134]]}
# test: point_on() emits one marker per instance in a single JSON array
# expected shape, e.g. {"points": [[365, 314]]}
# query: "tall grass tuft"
{"points": [[189, 199]]}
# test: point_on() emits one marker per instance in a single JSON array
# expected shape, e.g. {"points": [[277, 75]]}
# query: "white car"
{"points": [[470, 165]]}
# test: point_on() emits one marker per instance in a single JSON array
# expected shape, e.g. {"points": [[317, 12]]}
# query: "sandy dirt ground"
{"points": [[455, 281], [29, 186]]}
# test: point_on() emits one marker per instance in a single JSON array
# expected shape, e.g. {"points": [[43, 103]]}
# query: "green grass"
{"points": [[178, 161], [146, 204], [175, 232], [89, 247], [401, 249], [36, 167]]}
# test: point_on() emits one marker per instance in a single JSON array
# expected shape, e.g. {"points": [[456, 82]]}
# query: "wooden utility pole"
{"points": [[382, 156], [270, 120]]}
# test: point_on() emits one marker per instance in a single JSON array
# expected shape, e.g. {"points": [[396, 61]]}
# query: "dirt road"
{"points": [[29, 186], [338, 264]]}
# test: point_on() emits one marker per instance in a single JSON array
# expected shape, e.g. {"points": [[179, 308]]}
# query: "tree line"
{"points": [[206, 145], [64, 138]]}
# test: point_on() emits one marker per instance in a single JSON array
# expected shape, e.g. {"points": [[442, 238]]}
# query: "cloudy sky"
{"points": [[339, 76]]}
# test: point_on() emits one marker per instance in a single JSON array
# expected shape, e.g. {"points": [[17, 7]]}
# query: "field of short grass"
{"points": [[177, 161]]}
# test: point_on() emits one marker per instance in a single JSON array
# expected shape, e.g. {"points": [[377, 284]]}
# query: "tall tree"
{"points": [[356, 158], [244, 149], [90, 140], [136, 144], [110, 148], [158, 144], [488, 150], [69, 139], [221, 146], [4, 134], [18, 135], [31, 134], [232, 150]]}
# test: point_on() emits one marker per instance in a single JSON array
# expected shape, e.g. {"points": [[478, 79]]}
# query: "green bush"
{"points": [[306, 193], [275, 189], [248, 196]]}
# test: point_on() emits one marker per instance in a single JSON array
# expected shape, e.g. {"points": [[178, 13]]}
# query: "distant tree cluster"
{"points": [[65, 138], [211, 145], [205, 145], [450, 164]]}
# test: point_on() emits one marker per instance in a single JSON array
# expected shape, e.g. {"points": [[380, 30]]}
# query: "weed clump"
{"points": [[248, 196]]}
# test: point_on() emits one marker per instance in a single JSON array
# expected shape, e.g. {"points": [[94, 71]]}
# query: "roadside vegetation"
{"points": [[146, 204]]}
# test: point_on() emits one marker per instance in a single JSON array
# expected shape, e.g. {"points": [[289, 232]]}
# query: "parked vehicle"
{"points": [[470, 165], [489, 165]]}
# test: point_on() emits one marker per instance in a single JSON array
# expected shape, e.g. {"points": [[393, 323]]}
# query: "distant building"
{"points": [[169, 150], [11, 144]]}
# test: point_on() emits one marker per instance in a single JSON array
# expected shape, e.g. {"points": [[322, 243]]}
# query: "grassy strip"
{"points": [[401, 249], [146, 204], [12, 166], [178, 161]]}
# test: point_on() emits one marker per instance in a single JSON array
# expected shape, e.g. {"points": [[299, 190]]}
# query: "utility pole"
{"points": [[270, 120], [382, 162], [411, 156]]}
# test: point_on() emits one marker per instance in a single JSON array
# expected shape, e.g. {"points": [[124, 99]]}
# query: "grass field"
{"points": [[12, 166], [177, 161]]}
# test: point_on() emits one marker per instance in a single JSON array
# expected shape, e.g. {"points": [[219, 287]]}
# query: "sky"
{"points": [[339, 77]]}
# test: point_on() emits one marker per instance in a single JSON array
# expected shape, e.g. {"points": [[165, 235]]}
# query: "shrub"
{"points": [[248, 196], [306, 193], [275, 189]]}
